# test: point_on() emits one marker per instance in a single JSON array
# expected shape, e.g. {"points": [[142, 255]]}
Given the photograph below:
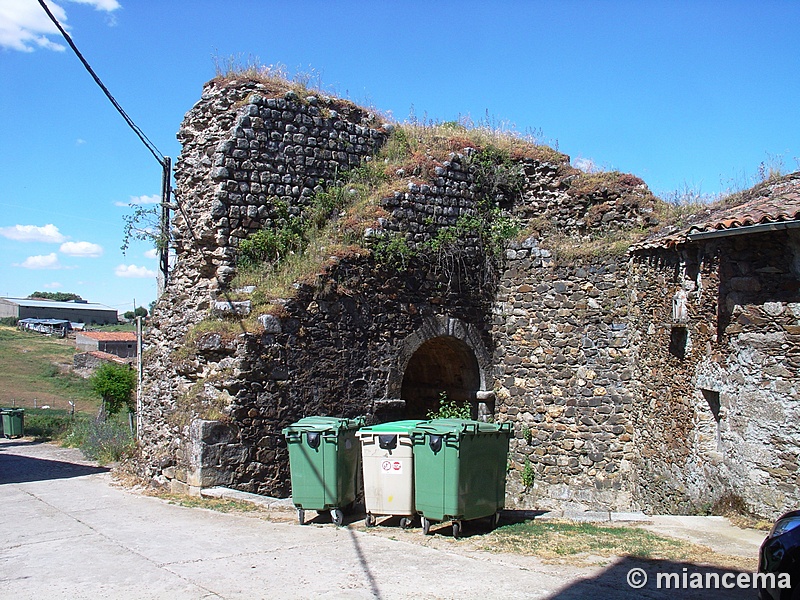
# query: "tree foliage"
{"points": [[143, 224], [140, 311], [115, 384], [57, 296]]}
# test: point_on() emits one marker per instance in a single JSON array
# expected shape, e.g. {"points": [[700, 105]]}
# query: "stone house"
{"points": [[633, 380], [719, 404], [118, 343]]}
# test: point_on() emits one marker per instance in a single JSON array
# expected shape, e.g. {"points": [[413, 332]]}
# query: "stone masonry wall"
{"points": [[618, 399], [718, 417], [339, 347], [563, 376], [247, 146]]}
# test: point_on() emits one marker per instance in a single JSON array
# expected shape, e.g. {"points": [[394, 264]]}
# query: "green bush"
{"points": [[450, 409], [46, 424], [528, 474], [115, 384], [103, 441]]}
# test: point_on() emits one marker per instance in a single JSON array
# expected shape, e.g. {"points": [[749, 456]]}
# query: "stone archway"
{"points": [[444, 354], [441, 364]]}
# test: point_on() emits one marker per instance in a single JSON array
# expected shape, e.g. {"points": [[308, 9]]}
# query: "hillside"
{"points": [[35, 367]]}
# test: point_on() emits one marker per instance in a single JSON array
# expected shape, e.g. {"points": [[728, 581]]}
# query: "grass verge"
{"points": [[575, 542], [217, 504]]}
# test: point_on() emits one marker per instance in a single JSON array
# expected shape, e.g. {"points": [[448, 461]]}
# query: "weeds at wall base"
{"points": [[105, 442]]}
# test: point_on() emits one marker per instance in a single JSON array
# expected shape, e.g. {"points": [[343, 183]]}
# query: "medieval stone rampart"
{"points": [[616, 402]]}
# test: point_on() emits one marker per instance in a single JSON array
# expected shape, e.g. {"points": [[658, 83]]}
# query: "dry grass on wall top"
{"points": [[416, 148], [276, 81]]}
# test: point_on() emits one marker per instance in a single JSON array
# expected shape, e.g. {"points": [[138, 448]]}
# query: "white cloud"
{"points": [[132, 271], [587, 165], [80, 142], [53, 286], [106, 5], [140, 201], [84, 249], [24, 26], [45, 261], [152, 253], [31, 233]]}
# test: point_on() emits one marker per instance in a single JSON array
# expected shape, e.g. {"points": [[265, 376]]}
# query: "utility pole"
{"points": [[138, 378], [163, 239]]}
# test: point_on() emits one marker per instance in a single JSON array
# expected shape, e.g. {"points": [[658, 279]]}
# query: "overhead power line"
{"points": [[136, 129], [164, 161]]}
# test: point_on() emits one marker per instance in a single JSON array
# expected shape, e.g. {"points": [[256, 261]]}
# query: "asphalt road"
{"points": [[68, 533]]}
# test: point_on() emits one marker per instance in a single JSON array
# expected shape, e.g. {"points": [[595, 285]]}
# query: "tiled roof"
{"points": [[108, 357], [774, 201], [109, 336]]}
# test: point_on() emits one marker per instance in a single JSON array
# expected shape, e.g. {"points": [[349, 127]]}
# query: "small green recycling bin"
{"points": [[387, 458], [324, 464], [459, 470], [13, 419]]}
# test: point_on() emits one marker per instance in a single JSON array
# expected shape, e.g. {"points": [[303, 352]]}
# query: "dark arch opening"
{"points": [[441, 364]]}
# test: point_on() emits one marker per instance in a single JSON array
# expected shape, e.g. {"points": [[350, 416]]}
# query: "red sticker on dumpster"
{"points": [[392, 467]]}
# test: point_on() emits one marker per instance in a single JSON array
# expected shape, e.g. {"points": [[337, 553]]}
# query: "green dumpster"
{"points": [[13, 419], [459, 470], [324, 464]]}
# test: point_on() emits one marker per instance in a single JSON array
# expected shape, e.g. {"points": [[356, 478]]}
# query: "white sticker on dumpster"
{"points": [[392, 467]]}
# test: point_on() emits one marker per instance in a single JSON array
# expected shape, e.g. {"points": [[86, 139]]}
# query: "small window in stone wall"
{"points": [[712, 398], [678, 342]]}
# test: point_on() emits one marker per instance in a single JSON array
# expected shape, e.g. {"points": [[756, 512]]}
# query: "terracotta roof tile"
{"points": [[108, 357], [110, 336], [773, 201]]}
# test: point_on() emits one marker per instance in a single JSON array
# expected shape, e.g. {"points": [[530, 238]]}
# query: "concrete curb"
{"points": [[264, 501]]}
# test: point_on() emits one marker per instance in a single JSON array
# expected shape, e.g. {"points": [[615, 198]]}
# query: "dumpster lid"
{"points": [[391, 427], [325, 424], [460, 426]]}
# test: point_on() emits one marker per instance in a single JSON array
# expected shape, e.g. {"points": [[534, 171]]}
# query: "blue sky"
{"points": [[685, 94]]}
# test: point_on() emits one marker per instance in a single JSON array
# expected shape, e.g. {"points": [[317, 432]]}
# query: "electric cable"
{"points": [[136, 129]]}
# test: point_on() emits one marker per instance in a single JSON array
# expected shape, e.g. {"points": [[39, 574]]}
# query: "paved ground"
{"points": [[68, 533]]}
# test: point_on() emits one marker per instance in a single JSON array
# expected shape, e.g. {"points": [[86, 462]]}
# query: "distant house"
{"points": [[74, 311], [118, 343], [89, 361]]}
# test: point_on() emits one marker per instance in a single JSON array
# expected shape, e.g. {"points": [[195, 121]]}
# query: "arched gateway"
{"points": [[444, 355]]}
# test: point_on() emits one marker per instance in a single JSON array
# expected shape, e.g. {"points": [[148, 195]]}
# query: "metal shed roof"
{"points": [[28, 302]]}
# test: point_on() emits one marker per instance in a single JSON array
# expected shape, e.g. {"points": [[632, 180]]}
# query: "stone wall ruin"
{"points": [[612, 408]]}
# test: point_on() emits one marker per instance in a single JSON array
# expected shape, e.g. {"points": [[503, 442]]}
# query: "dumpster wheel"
{"points": [[456, 529], [370, 521], [405, 522], [337, 516], [426, 526], [301, 516]]}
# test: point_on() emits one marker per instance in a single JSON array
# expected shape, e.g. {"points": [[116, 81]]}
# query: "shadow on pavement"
{"points": [[24, 469], [662, 580]]}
